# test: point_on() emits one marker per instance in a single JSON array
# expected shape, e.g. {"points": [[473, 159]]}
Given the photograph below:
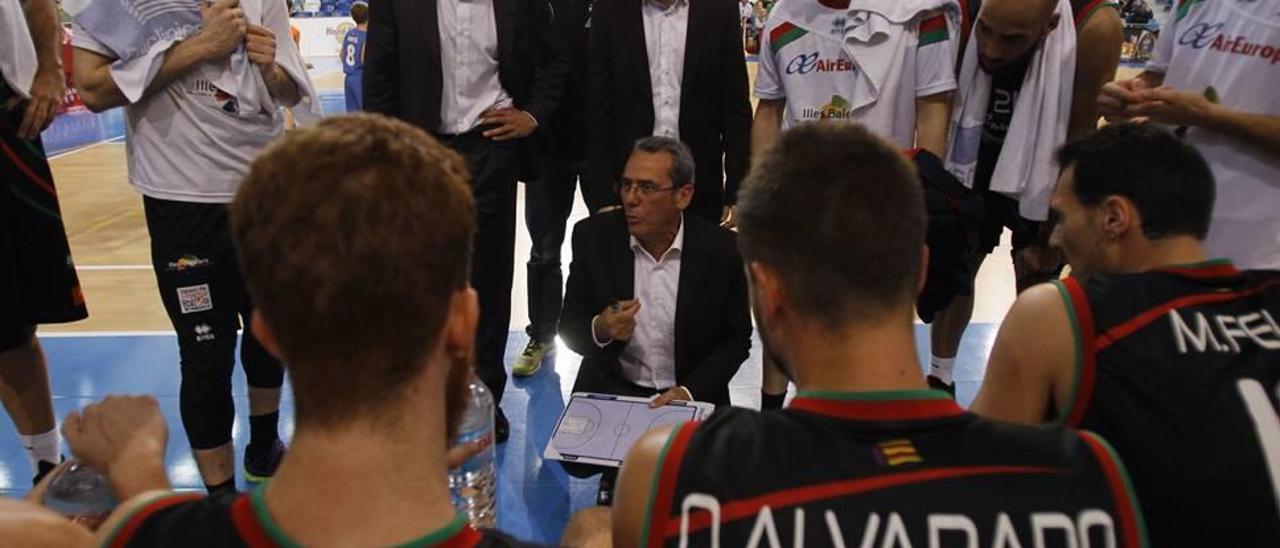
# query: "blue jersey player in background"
{"points": [[353, 57]]}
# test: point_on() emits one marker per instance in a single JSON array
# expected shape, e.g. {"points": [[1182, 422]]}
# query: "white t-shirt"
{"points": [[1233, 47], [803, 60], [17, 52], [186, 143]]}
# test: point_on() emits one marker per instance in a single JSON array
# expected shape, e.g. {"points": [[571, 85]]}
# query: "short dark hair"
{"points": [[360, 12], [353, 236], [839, 213], [682, 166], [1165, 178]]}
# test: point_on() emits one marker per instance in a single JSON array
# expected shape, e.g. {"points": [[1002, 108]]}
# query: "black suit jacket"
{"points": [[713, 318], [715, 112], [565, 135], [402, 74]]}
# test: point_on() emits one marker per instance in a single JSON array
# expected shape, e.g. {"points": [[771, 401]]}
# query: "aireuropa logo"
{"points": [[1200, 35], [809, 62], [1209, 35]]}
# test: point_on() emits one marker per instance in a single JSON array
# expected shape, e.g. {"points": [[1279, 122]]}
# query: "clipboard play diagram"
{"points": [[600, 429]]}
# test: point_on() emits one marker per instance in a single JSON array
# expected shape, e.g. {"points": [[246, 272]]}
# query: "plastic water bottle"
{"points": [[474, 484], [83, 495]]}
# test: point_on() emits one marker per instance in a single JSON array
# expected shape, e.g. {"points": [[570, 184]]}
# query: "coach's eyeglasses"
{"points": [[643, 188]]}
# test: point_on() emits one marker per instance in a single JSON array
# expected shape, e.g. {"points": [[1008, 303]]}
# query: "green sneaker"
{"points": [[530, 361]]}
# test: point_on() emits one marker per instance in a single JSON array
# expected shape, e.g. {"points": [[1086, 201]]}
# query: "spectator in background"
{"points": [[38, 282], [353, 57]]}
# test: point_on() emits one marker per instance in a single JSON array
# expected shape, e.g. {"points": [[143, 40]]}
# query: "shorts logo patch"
{"points": [[204, 333], [187, 262], [195, 298]]}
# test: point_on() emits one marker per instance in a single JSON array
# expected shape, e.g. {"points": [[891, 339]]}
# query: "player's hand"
{"points": [[1165, 105], [47, 91], [512, 123], [125, 438], [224, 27], [260, 43], [675, 394], [1116, 97], [618, 321], [726, 218]]}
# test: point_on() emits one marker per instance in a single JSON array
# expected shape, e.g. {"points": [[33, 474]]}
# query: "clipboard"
{"points": [[600, 428]]}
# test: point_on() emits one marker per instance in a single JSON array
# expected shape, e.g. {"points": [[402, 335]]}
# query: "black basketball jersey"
{"points": [[886, 469], [1179, 369], [191, 519]]}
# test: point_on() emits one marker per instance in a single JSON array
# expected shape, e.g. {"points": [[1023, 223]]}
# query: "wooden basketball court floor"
{"points": [[127, 344]]}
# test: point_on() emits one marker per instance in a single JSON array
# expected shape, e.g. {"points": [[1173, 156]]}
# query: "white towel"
{"points": [[17, 51], [1026, 169], [877, 33]]}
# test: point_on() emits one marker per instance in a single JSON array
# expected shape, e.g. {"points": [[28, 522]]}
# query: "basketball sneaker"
{"points": [[260, 465], [530, 361]]}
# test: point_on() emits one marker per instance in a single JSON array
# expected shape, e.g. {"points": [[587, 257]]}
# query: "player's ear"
{"points": [[1119, 216], [766, 290], [460, 326]]}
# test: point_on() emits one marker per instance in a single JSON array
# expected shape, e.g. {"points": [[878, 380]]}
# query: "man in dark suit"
{"points": [[480, 75], [657, 300], [673, 68], [548, 198]]}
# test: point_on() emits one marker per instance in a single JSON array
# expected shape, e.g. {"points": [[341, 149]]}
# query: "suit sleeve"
{"points": [[553, 64], [579, 304], [601, 111], [734, 329], [382, 60], [735, 106]]}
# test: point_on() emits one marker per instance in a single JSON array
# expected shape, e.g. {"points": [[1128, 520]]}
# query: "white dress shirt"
{"points": [[665, 30], [649, 359], [469, 64]]}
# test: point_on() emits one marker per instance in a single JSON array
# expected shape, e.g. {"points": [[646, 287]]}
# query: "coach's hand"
{"points": [[224, 27], [617, 322], [678, 393], [125, 438], [512, 123], [47, 91], [260, 43]]}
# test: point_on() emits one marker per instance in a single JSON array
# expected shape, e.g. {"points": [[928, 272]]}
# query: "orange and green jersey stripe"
{"points": [[784, 34], [934, 30]]}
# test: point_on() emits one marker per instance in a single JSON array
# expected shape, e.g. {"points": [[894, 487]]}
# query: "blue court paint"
{"points": [[535, 497]]}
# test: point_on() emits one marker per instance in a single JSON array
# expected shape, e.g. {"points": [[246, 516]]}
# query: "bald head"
{"points": [[1007, 30]]}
